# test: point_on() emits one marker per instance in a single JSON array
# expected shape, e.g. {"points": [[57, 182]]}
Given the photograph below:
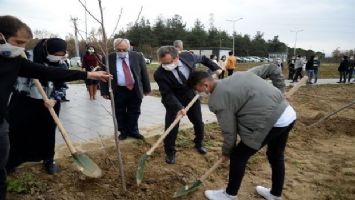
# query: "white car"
{"points": [[75, 62]]}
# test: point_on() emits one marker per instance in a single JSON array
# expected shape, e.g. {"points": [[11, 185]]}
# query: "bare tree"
{"points": [[104, 48]]}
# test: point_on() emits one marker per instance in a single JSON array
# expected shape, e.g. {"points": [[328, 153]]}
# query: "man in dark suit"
{"points": [[171, 77], [130, 84]]}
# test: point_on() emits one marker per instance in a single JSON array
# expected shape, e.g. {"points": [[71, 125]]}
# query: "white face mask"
{"points": [[91, 50], [53, 58], [9, 50], [169, 67], [122, 54]]}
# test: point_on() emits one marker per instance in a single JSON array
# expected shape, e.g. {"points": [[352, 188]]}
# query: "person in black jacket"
{"points": [[14, 36], [171, 77], [28, 114], [351, 68], [291, 68], [343, 68], [310, 69]]}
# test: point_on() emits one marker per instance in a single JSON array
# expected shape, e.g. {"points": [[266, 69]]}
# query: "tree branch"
{"points": [[118, 20], [89, 12], [139, 14]]}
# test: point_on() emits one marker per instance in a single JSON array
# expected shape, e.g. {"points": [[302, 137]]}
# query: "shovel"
{"points": [[187, 189], [81, 160], [183, 191], [141, 162]]}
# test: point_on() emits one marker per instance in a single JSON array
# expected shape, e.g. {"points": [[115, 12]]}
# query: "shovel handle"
{"points": [[210, 170], [297, 86], [172, 125], [56, 118]]}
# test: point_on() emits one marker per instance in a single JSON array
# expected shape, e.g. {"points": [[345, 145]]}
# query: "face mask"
{"points": [[9, 50], [122, 54], [91, 51], [53, 58], [169, 67]]}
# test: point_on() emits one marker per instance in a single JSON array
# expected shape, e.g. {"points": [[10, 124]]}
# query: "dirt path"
{"points": [[320, 161]]}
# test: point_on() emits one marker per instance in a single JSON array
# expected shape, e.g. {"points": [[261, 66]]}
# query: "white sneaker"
{"points": [[265, 192], [219, 195]]}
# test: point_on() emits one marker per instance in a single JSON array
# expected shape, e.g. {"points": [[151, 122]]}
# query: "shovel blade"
{"points": [[87, 166], [183, 191], [140, 168]]}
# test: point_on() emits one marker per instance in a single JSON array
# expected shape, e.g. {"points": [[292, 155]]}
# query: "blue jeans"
{"points": [[315, 74], [310, 74]]}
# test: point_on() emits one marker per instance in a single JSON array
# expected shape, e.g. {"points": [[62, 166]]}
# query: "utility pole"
{"points": [[76, 36], [233, 21], [296, 33], [86, 24]]}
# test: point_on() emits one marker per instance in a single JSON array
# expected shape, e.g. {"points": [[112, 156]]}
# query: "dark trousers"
{"points": [[128, 109], [230, 72], [291, 72], [195, 117], [298, 73], [350, 73], [342, 77], [315, 74], [32, 131], [4, 153], [276, 141], [221, 76]]}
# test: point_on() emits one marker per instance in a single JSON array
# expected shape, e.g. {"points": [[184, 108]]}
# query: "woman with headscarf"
{"points": [[91, 63], [27, 114]]}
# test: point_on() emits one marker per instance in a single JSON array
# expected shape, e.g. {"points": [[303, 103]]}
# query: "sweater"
{"points": [[244, 104]]}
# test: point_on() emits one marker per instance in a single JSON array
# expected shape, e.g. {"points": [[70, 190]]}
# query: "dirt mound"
{"points": [[319, 161]]}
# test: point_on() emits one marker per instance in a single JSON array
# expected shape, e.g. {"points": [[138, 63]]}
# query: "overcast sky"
{"points": [[327, 24]]}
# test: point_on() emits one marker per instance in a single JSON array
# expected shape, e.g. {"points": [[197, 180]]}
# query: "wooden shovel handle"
{"points": [[56, 118], [297, 86], [209, 171], [172, 125]]}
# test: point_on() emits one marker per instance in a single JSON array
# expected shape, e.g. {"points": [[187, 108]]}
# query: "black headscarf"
{"points": [[48, 46]]}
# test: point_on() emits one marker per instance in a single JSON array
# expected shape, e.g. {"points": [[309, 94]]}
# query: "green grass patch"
{"points": [[21, 185]]}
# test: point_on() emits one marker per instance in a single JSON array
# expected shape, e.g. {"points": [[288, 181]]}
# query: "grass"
{"points": [[21, 185]]}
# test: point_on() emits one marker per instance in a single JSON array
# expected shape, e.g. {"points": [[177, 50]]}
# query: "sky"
{"points": [[326, 24]]}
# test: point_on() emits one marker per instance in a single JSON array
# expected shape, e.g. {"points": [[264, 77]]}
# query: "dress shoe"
{"points": [[137, 136], [170, 159], [201, 150], [50, 167], [122, 137]]}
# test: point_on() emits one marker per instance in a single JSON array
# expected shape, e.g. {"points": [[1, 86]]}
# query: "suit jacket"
{"points": [[138, 70], [174, 94]]}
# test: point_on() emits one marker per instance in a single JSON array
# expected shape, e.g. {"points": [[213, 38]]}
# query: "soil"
{"points": [[320, 161]]}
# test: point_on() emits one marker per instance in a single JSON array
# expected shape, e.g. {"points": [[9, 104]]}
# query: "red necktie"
{"points": [[127, 75]]}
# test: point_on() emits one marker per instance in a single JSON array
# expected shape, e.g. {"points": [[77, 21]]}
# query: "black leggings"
{"points": [[276, 141]]}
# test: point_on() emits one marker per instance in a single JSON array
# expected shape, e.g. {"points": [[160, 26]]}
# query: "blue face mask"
{"points": [[121, 54]]}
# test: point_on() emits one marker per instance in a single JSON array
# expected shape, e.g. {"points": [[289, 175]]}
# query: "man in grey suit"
{"points": [[129, 85], [256, 111]]}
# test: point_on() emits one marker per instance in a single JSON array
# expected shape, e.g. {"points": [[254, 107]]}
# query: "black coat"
{"points": [[138, 69], [174, 93], [343, 66]]}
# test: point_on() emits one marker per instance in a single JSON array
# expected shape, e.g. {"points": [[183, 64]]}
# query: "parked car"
{"points": [[147, 60], [75, 62]]}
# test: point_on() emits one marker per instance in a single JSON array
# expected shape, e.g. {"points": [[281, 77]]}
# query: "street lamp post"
{"points": [[233, 21], [296, 33]]}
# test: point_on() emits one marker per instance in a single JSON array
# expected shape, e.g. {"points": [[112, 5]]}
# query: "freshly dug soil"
{"points": [[320, 161]]}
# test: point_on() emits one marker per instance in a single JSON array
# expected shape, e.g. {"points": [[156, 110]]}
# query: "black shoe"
{"points": [[65, 100], [170, 159], [339, 82], [51, 167], [137, 136], [122, 137], [201, 150]]}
